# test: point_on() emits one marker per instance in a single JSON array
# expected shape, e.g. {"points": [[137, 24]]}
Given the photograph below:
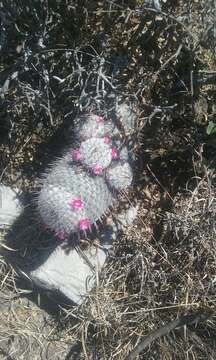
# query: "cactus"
{"points": [[92, 126], [71, 200], [119, 176], [123, 153], [95, 153], [80, 187]]}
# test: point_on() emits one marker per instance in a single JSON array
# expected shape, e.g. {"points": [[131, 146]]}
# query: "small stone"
{"points": [[127, 217], [10, 206], [71, 273]]}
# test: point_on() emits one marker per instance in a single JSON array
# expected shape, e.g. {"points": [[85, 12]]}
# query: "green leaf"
{"points": [[211, 128]]}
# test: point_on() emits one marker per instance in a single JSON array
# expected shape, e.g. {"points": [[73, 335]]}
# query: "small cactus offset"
{"points": [[119, 176], [92, 126], [80, 187], [96, 153]]}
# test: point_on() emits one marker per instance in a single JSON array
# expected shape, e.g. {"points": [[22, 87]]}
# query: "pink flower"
{"points": [[84, 224], [76, 155], [114, 153], [97, 170], [61, 235], [76, 204], [100, 119], [106, 139]]}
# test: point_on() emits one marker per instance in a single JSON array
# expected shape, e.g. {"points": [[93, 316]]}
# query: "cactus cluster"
{"points": [[81, 186]]}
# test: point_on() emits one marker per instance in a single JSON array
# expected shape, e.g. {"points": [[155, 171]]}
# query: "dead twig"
{"points": [[164, 330]]}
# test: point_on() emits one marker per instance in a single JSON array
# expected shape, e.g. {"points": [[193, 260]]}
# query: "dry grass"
{"points": [[28, 326], [150, 282]]}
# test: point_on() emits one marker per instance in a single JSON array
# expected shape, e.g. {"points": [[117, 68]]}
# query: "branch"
{"points": [[164, 330]]}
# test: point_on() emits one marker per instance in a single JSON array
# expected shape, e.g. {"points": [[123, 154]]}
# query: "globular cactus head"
{"points": [[119, 176], [93, 126], [73, 204], [95, 154]]}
